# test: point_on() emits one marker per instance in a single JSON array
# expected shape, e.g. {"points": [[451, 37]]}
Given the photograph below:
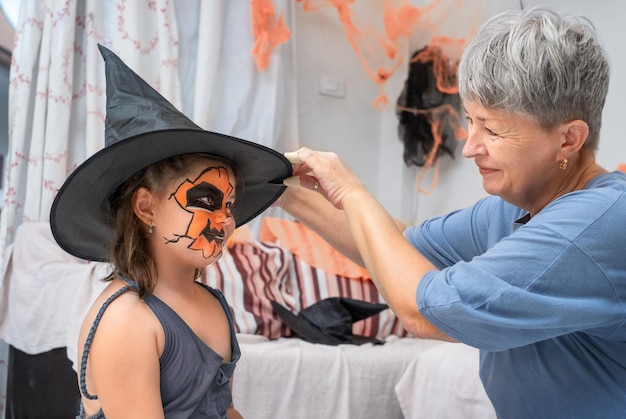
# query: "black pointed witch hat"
{"points": [[329, 321], [141, 128]]}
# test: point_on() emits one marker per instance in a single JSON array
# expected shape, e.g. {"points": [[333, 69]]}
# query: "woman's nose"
{"points": [[473, 146]]}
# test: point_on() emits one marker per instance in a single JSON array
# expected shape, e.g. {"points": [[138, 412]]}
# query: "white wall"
{"points": [[367, 138], [349, 125]]}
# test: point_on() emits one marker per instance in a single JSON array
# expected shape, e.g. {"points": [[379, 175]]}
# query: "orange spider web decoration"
{"points": [[399, 17], [268, 30], [399, 20]]}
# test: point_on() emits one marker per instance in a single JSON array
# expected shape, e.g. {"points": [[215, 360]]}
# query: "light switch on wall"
{"points": [[332, 86]]}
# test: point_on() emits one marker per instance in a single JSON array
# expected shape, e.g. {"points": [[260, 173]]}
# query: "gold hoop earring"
{"points": [[563, 164]]}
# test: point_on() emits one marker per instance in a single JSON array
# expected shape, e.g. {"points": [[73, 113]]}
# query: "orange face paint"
{"points": [[205, 199]]}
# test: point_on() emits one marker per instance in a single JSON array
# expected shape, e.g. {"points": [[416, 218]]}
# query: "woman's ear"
{"points": [[143, 205], [576, 133]]}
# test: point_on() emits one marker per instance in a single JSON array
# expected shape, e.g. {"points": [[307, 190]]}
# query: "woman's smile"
{"points": [[484, 171]]}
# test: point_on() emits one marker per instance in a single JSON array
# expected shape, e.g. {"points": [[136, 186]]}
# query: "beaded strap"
{"points": [[130, 285]]}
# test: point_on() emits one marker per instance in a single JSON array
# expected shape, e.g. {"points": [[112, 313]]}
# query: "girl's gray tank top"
{"points": [[195, 383]]}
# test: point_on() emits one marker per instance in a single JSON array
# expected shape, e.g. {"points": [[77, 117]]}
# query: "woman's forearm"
{"points": [[395, 266], [314, 211]]}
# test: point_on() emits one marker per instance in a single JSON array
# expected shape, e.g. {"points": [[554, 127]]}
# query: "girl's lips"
{"points": [[219, 238]]}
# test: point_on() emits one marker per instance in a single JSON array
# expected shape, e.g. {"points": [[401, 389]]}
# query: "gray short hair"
{"points": [[538, 63]]}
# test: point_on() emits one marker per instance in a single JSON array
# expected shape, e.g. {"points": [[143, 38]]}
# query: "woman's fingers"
{"points": [[292, 181], [308, 182], [323, 172], [292, 156]]}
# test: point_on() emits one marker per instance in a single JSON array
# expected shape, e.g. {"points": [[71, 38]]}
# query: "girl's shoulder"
{"points": [[117, 315]]}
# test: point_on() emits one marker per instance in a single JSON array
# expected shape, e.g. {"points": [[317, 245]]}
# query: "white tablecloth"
{"points": [[291, 378], [443, 383]]}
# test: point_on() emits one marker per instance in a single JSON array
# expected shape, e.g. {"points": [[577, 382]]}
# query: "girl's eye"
{"points": [[206, 202]]}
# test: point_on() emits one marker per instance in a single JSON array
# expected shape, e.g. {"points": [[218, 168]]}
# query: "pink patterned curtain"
{"points": [[198, 54]]}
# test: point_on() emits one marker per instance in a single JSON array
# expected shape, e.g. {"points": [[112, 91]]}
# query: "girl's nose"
{"points": [[223, 216]]}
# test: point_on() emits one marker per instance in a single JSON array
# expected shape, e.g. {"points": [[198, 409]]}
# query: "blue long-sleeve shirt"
{"points": [[544, 299]]}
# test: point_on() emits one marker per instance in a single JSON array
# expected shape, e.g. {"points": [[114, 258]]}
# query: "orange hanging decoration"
{"points": [[399, 16], [429, 120], [267, 30]]}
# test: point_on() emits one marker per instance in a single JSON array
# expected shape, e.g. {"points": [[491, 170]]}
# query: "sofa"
{"points": [[46, 292]]}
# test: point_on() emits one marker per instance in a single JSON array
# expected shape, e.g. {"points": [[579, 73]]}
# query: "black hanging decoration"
{"points": [[428, 108]]}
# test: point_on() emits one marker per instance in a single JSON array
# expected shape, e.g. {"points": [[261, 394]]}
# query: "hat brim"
{"points": [[81, 217], [311, 333]]}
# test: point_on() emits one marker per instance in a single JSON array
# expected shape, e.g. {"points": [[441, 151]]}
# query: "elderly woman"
{"points": [[534, 275]]}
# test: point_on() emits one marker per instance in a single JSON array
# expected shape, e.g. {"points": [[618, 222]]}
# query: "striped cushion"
{"points": [[250, 275], [253, 273]]}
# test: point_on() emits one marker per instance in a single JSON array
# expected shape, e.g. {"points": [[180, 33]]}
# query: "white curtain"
{"points": [[195, 53]]}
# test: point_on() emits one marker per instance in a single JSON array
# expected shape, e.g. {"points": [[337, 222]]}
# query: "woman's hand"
{"points": [[323, 172], [355, 223]]}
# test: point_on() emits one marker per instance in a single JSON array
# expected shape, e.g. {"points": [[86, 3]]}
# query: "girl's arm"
{"points": [[124, 360], [232, 413]]}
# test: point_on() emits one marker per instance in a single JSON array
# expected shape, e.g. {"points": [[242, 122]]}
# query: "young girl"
{"points": [[159, 205]]}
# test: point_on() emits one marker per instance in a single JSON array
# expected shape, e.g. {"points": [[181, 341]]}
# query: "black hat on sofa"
{"points": [[329, 321], [141, 128]]}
